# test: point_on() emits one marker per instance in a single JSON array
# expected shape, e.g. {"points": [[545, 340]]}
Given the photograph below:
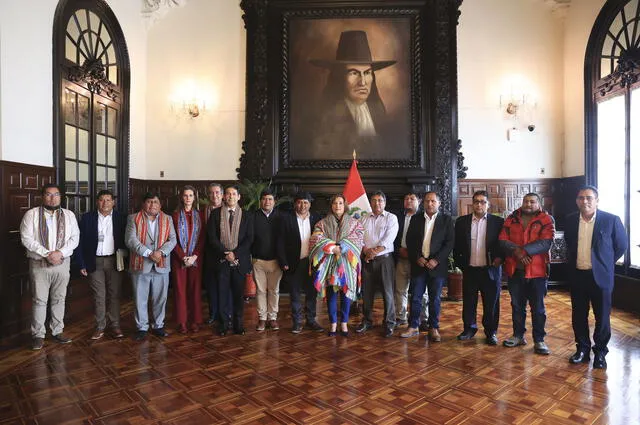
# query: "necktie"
{"points": [[230, 219]]}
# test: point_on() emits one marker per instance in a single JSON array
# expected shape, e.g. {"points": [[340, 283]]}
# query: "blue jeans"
{"points": [[332, 306], [419, 284], [533, 291]]}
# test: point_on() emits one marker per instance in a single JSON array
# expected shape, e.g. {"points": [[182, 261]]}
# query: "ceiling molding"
{"points": [[154, 10], [559, 8]]}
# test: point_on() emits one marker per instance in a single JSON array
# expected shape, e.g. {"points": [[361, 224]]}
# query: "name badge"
{"points": [[100, 237]]}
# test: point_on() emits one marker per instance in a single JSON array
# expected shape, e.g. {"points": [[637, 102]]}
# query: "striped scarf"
{"points": [[136, 262], [229, 236], [188, 244], [44, 229]]}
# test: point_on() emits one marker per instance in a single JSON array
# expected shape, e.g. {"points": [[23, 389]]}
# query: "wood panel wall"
{"points": [[505, 195]]}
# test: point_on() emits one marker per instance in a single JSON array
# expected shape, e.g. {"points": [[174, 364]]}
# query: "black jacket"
{"points": [[441, 243], [288, 240], [245, 239], [462, 249], [84, 256], [265, 230]]}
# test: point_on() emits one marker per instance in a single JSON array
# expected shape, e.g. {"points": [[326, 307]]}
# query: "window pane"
{"points": [[112, 180], [113, 74], [100, 149], [112, 118], [101, 118], [94, 21], [634, 205], [70, 141], [83, 206], [69, 106], [101, 177], [611, 155], [83, 178], [83, 111], [70, 175], [70, 50], [82, 18], [83, 145], [111, 156]]}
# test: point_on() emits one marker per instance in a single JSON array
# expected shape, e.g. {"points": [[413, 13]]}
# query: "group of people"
{"points": [[335, 257]]}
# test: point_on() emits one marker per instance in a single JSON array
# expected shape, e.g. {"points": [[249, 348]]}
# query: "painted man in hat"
{"points": [[352, 112]]}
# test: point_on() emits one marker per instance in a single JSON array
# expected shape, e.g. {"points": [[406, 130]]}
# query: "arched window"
{"points": [[90, 102], [612, 117]]}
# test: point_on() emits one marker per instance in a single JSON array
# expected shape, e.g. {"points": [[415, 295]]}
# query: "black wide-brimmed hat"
{"points": [[353, 48]]}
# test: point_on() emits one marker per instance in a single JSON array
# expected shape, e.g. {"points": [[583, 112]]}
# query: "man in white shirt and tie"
{"points": [[50, 234]]}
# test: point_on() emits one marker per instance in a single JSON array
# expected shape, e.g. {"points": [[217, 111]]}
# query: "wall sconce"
{"points": [[512, 103], [519, 107], [193, 107]]}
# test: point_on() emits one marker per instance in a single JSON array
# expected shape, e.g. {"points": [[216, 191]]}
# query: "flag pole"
{"points": [[354, 154]]}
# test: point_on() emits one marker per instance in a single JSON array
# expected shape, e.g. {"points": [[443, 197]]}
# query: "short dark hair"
{"points": [[411, 193], [105, 192], [380, 194], [232, 186], [266, 192], [588, 187], [49, 186], [303, 195], [533, 194], [150, 195], [481, 193], [214, 184], [435, 193]]}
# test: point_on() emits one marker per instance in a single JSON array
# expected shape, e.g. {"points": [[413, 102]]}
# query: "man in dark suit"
{"points": [[429, 243], [477, 252], [230, 232], [595, 241], [293, 255], [101, 236]]}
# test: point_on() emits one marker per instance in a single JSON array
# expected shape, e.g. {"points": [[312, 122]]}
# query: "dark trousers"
{"points": [[585, 291], [379, 274], [210, 278], [531, 290], [419, 283], [230, 288], [332, 306], [478, 279], [301, 283]]}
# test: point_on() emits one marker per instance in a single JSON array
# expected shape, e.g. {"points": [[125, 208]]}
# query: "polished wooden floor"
{"points": [[278, 377]]}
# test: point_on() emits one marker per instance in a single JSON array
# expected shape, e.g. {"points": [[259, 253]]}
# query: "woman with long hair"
{"points": [[186, 260], [336, 243]]}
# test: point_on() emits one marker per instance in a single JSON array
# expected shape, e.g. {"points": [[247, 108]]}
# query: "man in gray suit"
{"points": [[150, 237]]}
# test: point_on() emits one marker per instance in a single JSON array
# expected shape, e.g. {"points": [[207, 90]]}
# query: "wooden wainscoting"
{"points": [[167, 190], [505, 195]]}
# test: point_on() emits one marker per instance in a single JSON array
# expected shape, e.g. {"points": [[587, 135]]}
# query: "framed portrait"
{"points": [[329, 79]]}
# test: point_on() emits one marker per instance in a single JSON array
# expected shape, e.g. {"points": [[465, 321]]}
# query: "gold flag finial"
{"points": [[354, 154]]}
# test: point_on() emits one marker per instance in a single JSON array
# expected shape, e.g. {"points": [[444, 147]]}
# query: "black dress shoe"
{"points": [[239, 331], [363, 327], [161, 333], [314, 326], [492, 340], [222, 330], [599, 362], [211, 321], [388, 333], [424, 327], [61, 339], [579, 357], [467, 334], [140, 335]]}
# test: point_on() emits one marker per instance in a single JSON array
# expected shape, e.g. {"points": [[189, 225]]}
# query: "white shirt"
{"points": [[152, 227], [106, 243], [362, 117], [585, 236], [478, 257], [304, 226], [428, 231], [30, 230], [407, 221], [380, 230]]}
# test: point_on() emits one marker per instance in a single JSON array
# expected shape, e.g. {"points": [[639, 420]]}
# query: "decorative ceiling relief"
{"points": [[154, 10], [559, 8]]}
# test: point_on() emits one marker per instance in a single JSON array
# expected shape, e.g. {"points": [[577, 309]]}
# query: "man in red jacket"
{"points": [[526, 238]]}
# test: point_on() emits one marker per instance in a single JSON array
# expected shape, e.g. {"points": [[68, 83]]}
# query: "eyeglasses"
{"points": [[51, 195], [478, 201], [585, 198]]}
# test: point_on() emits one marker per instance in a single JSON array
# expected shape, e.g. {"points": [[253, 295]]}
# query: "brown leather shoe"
{"points": [[434, 335], [273, 324], [117, 333], [99, 333]]}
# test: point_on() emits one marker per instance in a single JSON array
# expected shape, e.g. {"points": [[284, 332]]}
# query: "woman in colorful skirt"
{"points": [[335, 244]]}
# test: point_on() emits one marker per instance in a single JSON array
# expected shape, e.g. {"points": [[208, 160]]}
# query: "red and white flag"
{"points": [[354, 191]]}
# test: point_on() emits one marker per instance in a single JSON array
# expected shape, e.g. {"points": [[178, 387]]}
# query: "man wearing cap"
{"points": [[352, 111], [293, 256]]}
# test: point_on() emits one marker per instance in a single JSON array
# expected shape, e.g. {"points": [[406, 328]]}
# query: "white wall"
{"points": [[501, 41], [578, 27], [201, 45], [26, 80]]}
